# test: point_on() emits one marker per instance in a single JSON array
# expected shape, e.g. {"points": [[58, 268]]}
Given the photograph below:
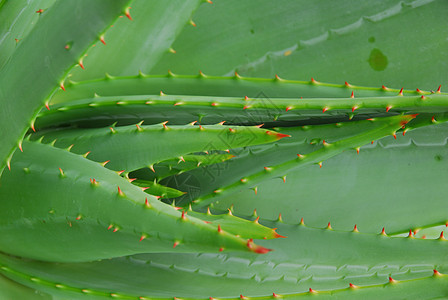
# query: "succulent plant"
{"points": [[306, 159]]}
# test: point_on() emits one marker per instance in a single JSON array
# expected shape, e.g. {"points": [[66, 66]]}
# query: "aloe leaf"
{"points": [[68, 42], [136, 46], [155, 189], [299, 39], [230, 86], [380, 127], [178, 166], [388, 163], [133, 147], [330, 261], [18, 18], [180, 109], [12, 290], [99, 215]]}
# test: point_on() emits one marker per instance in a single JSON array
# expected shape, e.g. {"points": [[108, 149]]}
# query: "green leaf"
{"points": [[69, 33]]}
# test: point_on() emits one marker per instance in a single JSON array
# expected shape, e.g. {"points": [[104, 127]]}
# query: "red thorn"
{"points": [[289, 108], [357, 150], [418, 90], [313, 80], [439, 89], [276, 235], [324, 109], [62, 86], [355, 228], [352, 286], [20, 147], [347, 84], [128, 14], [78, 217], [404, 131], [219, 229], [391, 280], [183, 217], [312, 291], [388, 108], [242, 297], [81, 64], [279, 135], [256, 220], [246, 98], [231, 130], [401, 92], [320, 164], [256, 190], [221, 249], [214, 104], [102, 40], [164, 124], [175, 244], [354, 108], [301, 222], [411, 234], [259, 126], [142, 237], [177, 208], [383, 87], [383, 231], [178, 103], [47, 105], [40, 11], [110, 226], [423, 97], [277, 77], [120, 192], [300, 155], [256, 248], [275, 295], [352, 95], [115, 229], [441, 237], [329, 225], [436, 273], [246, 106]]}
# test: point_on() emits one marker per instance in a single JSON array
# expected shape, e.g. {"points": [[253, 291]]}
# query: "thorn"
{"points": [[347, 84], [354, 108], [110, 226], [47, 106], [276, 235], [102, 40], [192, 123], [352, 95], [404, 131], [116, 229], [231, 130], [357, 150], [256, 220], [230, 212], [120, 192], [267, 169], [80, 63], [237, 75], [383, 232], [433, 119], [279, 219], [112, 130], [61, 172], [384, 88], [32, 126], [242, 297], [311, 291], [401, 92], [126, 12], [162, 93], [289, 108], [411, 234], [40, 11], [300, 156], [439, 89], [436, 273], [20, 146], [256, 190], [259, 126], [201, 74], [441, 237], [391, 280], [325, 109], [175, 244], [355, 229], [394, 135], [183, 216], [221, 249], [284, 179], [62, 86], [105, 163], [301, 222], [219, 229], [352, 286], [192, 23], [257, 248], [388, 108], [423, 97], [178, 103], [418, 90], [320, 164], [172, 50], [279, 135], [275, 295], [144, 236], [325, 144], [277, 77], [164, 125], [246, 98], [329, 226], [152, 168], [313, 80]]}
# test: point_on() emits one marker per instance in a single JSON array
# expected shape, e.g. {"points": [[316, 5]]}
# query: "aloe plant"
{"points": [[223, 150]]}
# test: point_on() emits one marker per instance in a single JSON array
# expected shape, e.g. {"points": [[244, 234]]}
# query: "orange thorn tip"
{"points": [[391, 280], [275, 295], [276, 235], [352, 286], [401, 92], [395, 136], [256, 220], [355, 229], [40, 11], [388, 108], [110, 226], [219, 229], [164, 124], [175, 244], [442, 237], [411, 234], [324, 109], [183, 217], [301, 222], [126, 12], [289, 108], [352, 95], [383, 87], [311, 291], [320, 164], [221, 249], [423, 97], [120, 192], [257, 248], [347, 84], [313, 80], [143, 237], [418, 90], [277, 77], [62, 86], [329, 225], [383, 231], [436, 273], [277, 134], [102, 40], [439, 89], [81, 64], [246, 98]]}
